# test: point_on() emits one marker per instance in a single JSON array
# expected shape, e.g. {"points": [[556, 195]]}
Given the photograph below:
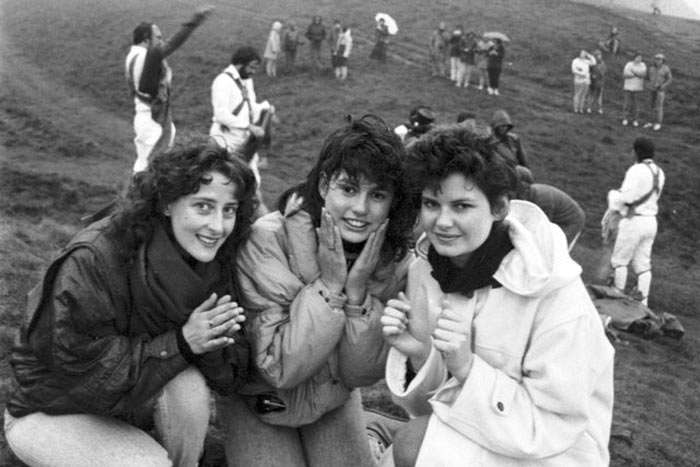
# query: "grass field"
{"points": [[66, 145]]}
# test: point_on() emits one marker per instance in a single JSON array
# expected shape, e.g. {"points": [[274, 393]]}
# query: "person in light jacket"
{"points": [[342, 53], [634, 74], [315, 281], [498, 353], [272, 49], [581, 69]]}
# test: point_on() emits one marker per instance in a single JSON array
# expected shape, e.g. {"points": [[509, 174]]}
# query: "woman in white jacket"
{"points": [[498, 352], [581, 69]]}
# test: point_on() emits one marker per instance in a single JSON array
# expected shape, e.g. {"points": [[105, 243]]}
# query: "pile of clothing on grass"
{"points": [[621, 312]]}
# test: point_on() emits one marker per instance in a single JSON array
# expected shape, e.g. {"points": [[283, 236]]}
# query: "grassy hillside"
{"points": [[65, 129]]}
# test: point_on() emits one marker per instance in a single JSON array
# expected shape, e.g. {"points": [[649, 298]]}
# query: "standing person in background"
{"points": [[482, 50], [238, 118], [316, 33], [581, 69], [272, 49], [505, 142], [136, 320], [342, 54], [290, 44], [637, 201], [498, 354], [595, 90], [659, 80], [381, 41], [454, 46], [466, 59], [634, 74], [494, 65], [316, 281], [150, 80], [336, 31], [437, 48]]}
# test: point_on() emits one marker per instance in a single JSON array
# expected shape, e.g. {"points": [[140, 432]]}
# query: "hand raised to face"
{"points": [[331, 257]]}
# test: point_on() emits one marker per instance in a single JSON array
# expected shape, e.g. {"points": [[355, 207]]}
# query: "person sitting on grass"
{"points": [[498, 353], [135, 320], [315, 281]]}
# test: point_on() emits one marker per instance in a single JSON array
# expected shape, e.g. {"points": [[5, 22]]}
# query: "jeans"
{"points": [[631, 99], [181, 418], [580, 93], [595, 94], [149, 133], [315, 51], [657, 105], [338, 438]]}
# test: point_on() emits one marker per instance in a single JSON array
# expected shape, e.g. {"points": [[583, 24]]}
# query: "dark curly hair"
{"points": [[176, 173], [367, 148], [457, 149]]}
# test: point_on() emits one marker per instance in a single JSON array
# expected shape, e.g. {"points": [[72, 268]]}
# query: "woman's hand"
{"points": [[212, 324], [331, 258], [406, 331], [452, 337], [364, 266]]}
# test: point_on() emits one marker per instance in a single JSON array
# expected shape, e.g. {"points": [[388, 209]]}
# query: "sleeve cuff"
{"points": [[184, 348]]}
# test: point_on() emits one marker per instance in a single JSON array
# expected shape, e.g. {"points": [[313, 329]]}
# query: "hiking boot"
{"points": [[648, 125], [657, 126], [495, 91], [624, 122], [489, 90], [635, 123], [600, 111]]}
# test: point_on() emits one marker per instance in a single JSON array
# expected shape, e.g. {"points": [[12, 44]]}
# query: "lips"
{"points": [[355, 224], [208, 241], [445, 238]]}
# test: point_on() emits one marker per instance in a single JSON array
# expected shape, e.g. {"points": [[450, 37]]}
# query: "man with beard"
{"points": [[238, 116]]}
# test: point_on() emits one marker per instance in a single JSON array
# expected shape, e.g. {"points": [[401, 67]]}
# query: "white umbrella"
{"points": [[390, 22], [496, 35]]}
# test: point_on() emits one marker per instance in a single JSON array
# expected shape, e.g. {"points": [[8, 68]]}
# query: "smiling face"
{"points": [[358, 207], [202, 221], [458, 217]]}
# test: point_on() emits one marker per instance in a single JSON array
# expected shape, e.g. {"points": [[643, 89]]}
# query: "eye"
{"points": [[462, 206], [429, 203], [230, 211], [348, 189], [379, 195], [202, 207]]}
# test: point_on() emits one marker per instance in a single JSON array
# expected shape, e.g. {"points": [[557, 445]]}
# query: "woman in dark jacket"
{"points": [[494, 65], [135, 320]]}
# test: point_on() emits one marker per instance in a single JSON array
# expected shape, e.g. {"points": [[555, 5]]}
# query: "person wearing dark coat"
{"points": [[505, 142], [494, 65], [559, 207], [135, 320], [316, 33]]}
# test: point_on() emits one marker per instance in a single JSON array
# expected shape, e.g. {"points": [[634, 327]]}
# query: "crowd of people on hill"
{"points": [[466, 54], [590, 70], [426, 255]]}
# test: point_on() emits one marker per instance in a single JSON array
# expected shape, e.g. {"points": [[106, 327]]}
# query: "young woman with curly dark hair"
{"points": [[135, 320], [315, 280]]}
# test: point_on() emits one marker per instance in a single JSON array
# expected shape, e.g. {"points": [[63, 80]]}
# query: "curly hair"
{"points": [[176, 173], [367, 148], [457, 149]]}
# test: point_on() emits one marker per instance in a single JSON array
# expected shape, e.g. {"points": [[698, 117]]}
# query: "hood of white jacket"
{"points": [[539, 261]]}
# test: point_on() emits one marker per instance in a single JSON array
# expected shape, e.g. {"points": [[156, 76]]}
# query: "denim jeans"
{"points": [[657, 105], [580, 93], [181, 418], [630, 104], [338, 438]]}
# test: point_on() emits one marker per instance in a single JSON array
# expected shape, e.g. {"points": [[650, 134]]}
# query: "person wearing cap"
{"points": [[505, 142], [559, 207], [637, 202], [437, 47], [420, 121], [634, 73], [659, 80]]}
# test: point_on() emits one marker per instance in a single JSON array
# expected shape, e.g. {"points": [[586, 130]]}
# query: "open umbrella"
{"points": [[496, 35], [390, 22]]}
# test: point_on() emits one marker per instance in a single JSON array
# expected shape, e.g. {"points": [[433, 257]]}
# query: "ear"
{"points": [[323, 186], [500, 208]]}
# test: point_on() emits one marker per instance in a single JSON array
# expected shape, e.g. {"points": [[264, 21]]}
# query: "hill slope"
{"points": [[65, 129]]}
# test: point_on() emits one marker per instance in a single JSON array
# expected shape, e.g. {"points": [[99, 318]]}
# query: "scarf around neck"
{"points": [[480, 268]]}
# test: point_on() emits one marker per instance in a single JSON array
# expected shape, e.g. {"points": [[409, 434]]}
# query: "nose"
{"points": [[444, 220], [360, 204], [216, 222]]}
